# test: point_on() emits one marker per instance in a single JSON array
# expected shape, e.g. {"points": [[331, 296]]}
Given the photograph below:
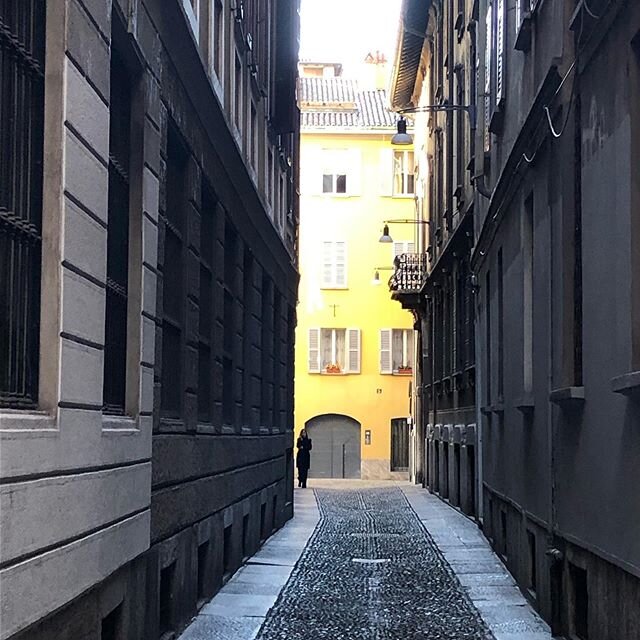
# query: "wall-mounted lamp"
{"points": [[376, 275], [404, 138], [386, 238]]}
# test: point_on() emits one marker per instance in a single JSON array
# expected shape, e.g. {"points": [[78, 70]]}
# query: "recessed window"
{"points": [[274, 512], [111, 625], [203, 562], [335, 163], [21, 101], [115, 348], [334, 351], [246, 540], [253, 142], [334, 264], [533, 578], [503, 533], [334, 183], [238, 93], [218, 37], [403, 247], [172, 270], [403, 173], [580, 609], [270, 176], [167, 576], [263, 521], [226, 551], [397, 351]]}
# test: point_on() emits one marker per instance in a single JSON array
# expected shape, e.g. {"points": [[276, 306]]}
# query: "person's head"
{"points": [[303, 433]]}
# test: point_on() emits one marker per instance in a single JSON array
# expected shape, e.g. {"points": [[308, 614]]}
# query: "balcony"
{"points": [[408, 278]]}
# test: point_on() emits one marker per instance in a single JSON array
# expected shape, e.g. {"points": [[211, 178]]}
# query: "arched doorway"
{"points": [[336, 446]]}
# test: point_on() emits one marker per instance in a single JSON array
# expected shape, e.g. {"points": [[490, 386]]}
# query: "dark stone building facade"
{"points": [[146, 375], [556, 263], [553, 266], [434, 76]]}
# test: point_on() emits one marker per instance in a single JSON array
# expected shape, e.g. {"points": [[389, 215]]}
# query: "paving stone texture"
{"points": [[371, 571], [375, 560]]}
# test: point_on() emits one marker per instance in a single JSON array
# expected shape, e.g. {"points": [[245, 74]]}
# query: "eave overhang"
{"points": [[412, 32]]}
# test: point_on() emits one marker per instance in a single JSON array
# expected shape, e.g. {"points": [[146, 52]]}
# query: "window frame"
{"points": [[317, 337], [408, 356], [405, 176], [333, 282], [32, 224], [119, 169]]}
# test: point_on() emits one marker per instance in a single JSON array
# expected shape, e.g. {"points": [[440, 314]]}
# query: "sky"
{"points": [[346, 30]]}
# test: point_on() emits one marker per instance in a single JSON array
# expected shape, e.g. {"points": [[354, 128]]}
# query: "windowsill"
{"points": [[525, 404], [333, 373], [119, 424], [568, 397], [627, 384], [171, 425], [497, 120], [403, 373], [338, 195], [26, 421], [334, 288], [497, 408], [403, 196], [523, 38]]}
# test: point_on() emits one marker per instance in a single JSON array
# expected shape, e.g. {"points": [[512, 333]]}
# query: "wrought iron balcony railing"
{"points": [[410, 273]]}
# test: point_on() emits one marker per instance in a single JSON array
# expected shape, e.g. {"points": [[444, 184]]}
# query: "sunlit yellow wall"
{"points": [[369, 397]]}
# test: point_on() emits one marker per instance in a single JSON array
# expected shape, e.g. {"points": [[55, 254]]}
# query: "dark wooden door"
{"points": [[399, 444]]}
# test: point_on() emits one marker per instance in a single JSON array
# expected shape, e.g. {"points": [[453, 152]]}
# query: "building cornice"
{"points": [[412, 32]]}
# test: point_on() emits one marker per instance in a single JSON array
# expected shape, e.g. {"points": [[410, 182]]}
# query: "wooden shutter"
{"points": [[385, 351], [340, 263], [353, 171], [314, 350], [386, 172], [500, 46], [310, 172], [353, 350], [327, 264], [487, 76], [403, 247]]}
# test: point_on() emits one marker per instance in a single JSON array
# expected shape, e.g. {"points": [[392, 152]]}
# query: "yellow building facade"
{"points": [[354, 345]]}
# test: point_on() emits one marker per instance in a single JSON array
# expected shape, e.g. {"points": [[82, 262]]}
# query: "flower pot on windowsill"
{"points": [[407, 371], [333, 368]]}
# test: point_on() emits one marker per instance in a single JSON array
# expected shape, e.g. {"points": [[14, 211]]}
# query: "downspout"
{"points": [[479, 424]]}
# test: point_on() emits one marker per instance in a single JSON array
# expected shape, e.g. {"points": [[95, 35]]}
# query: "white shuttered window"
{"points": [[334, 264], [396, 351], [334, 350]]}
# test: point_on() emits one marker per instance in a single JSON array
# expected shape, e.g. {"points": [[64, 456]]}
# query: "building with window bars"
{"points": [[435, 281], [355, 348], [148, 283], [549, 239]]}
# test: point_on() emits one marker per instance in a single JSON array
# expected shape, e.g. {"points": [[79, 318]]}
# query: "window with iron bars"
{"points": [[22, 46], [172, 273], [115, 347]]}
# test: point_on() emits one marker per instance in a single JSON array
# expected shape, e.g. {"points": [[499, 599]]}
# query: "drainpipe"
{"points": [[479, 425]]}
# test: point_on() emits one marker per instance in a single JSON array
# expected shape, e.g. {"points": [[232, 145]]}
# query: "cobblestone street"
{"points": [[381, 562], [372, 571]]}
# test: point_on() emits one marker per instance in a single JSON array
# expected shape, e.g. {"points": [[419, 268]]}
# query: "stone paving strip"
{"points": [[238, 610], [487, 582], [386, 561]]}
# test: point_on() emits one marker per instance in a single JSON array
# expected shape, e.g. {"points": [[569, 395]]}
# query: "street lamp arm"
{"points": [[406, 221], [470, 109]]}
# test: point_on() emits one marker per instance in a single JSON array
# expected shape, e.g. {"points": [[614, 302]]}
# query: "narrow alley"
{"points": [[375, 561]]}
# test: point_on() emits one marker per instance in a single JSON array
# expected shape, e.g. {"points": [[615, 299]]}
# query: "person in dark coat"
{"points": [[303, 458]]}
